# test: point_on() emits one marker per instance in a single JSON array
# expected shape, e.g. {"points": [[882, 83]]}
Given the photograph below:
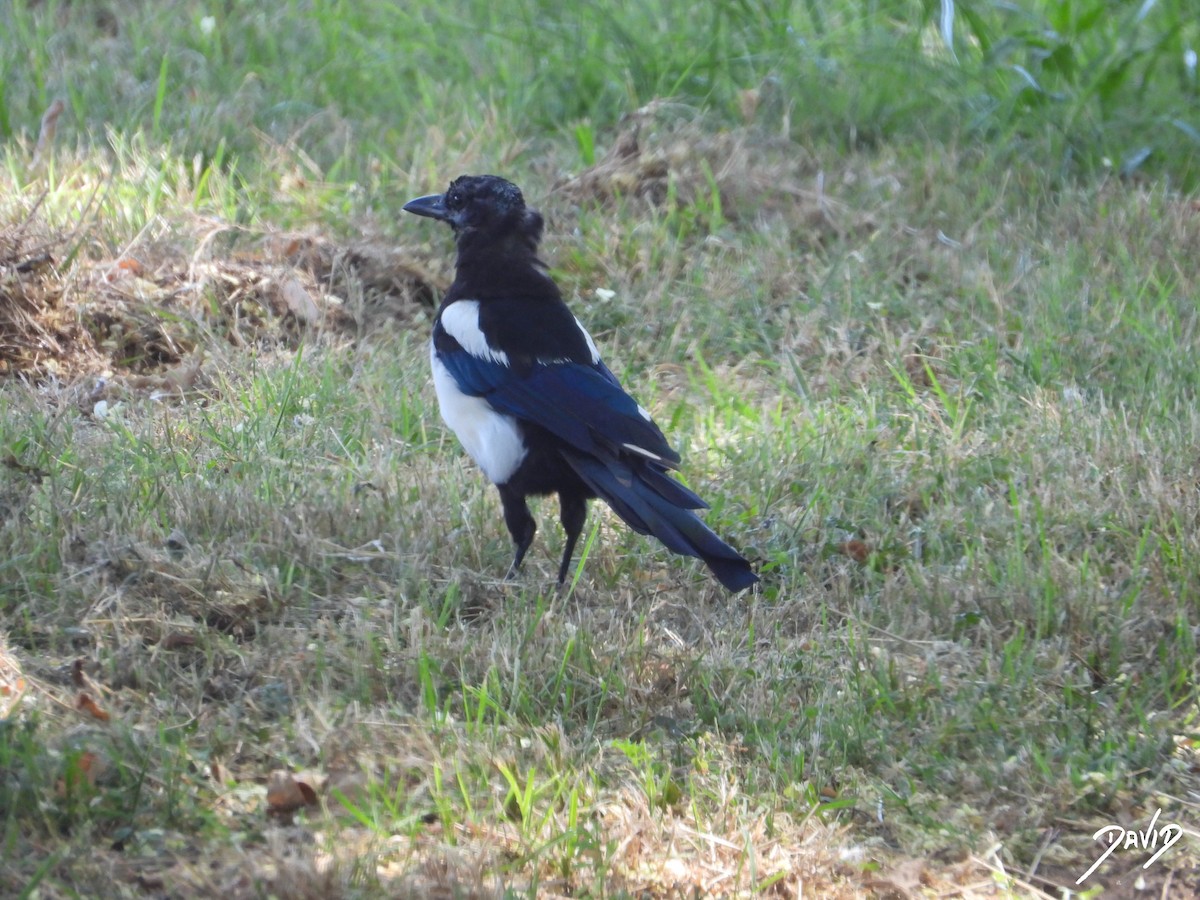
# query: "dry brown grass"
{"points": [[143, 315]]}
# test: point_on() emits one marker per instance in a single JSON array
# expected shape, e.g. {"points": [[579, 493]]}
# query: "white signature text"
{"points": [[1160, 840]]}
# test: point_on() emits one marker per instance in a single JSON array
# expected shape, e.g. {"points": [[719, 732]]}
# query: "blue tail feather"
{"points": [[648, 507]]}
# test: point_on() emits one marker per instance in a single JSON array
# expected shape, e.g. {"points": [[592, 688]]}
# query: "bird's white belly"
{"points": [[492, 439]]}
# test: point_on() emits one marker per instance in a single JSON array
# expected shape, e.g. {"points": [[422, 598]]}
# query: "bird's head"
{"points": [[481, 205]]}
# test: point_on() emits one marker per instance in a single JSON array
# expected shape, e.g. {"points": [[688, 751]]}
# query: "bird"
{"points": [[522, 384]]}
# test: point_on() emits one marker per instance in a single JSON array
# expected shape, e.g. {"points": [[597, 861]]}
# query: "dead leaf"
{"points": [[859, 551], [12, 686], [81, 772], [176, 641], [81, 680], [86, 704], [286, 794], [299, 301], [221, 774]]}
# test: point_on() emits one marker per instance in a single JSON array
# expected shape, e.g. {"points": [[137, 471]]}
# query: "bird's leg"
{"points": [[572, 513], [520, 524]]}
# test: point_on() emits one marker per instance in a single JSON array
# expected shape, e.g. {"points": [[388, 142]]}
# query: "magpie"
{"points": [[521, 383]]}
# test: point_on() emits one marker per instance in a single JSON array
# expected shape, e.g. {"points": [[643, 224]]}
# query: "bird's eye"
{"points": [[454, 198]]}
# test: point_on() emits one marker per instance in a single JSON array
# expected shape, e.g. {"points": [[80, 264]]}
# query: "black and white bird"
{"points": [[521, 383]]}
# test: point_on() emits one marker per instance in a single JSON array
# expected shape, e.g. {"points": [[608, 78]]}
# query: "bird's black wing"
{"points": [[580, 403]]}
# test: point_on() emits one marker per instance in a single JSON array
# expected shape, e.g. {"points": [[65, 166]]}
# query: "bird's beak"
{"points": [[431, 205]]}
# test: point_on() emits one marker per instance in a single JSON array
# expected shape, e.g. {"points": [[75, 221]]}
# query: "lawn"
{"points": [[911, 286]]}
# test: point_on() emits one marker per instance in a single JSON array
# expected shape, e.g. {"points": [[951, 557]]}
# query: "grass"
{"points": [[934, 371]]}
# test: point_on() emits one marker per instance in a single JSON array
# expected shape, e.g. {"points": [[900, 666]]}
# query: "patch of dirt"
{"points": [[147, 315]]}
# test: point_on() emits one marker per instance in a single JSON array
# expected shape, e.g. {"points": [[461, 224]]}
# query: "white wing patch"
{"points": [[492, 439], [642, 451], [591, 344], [461, 321]]}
